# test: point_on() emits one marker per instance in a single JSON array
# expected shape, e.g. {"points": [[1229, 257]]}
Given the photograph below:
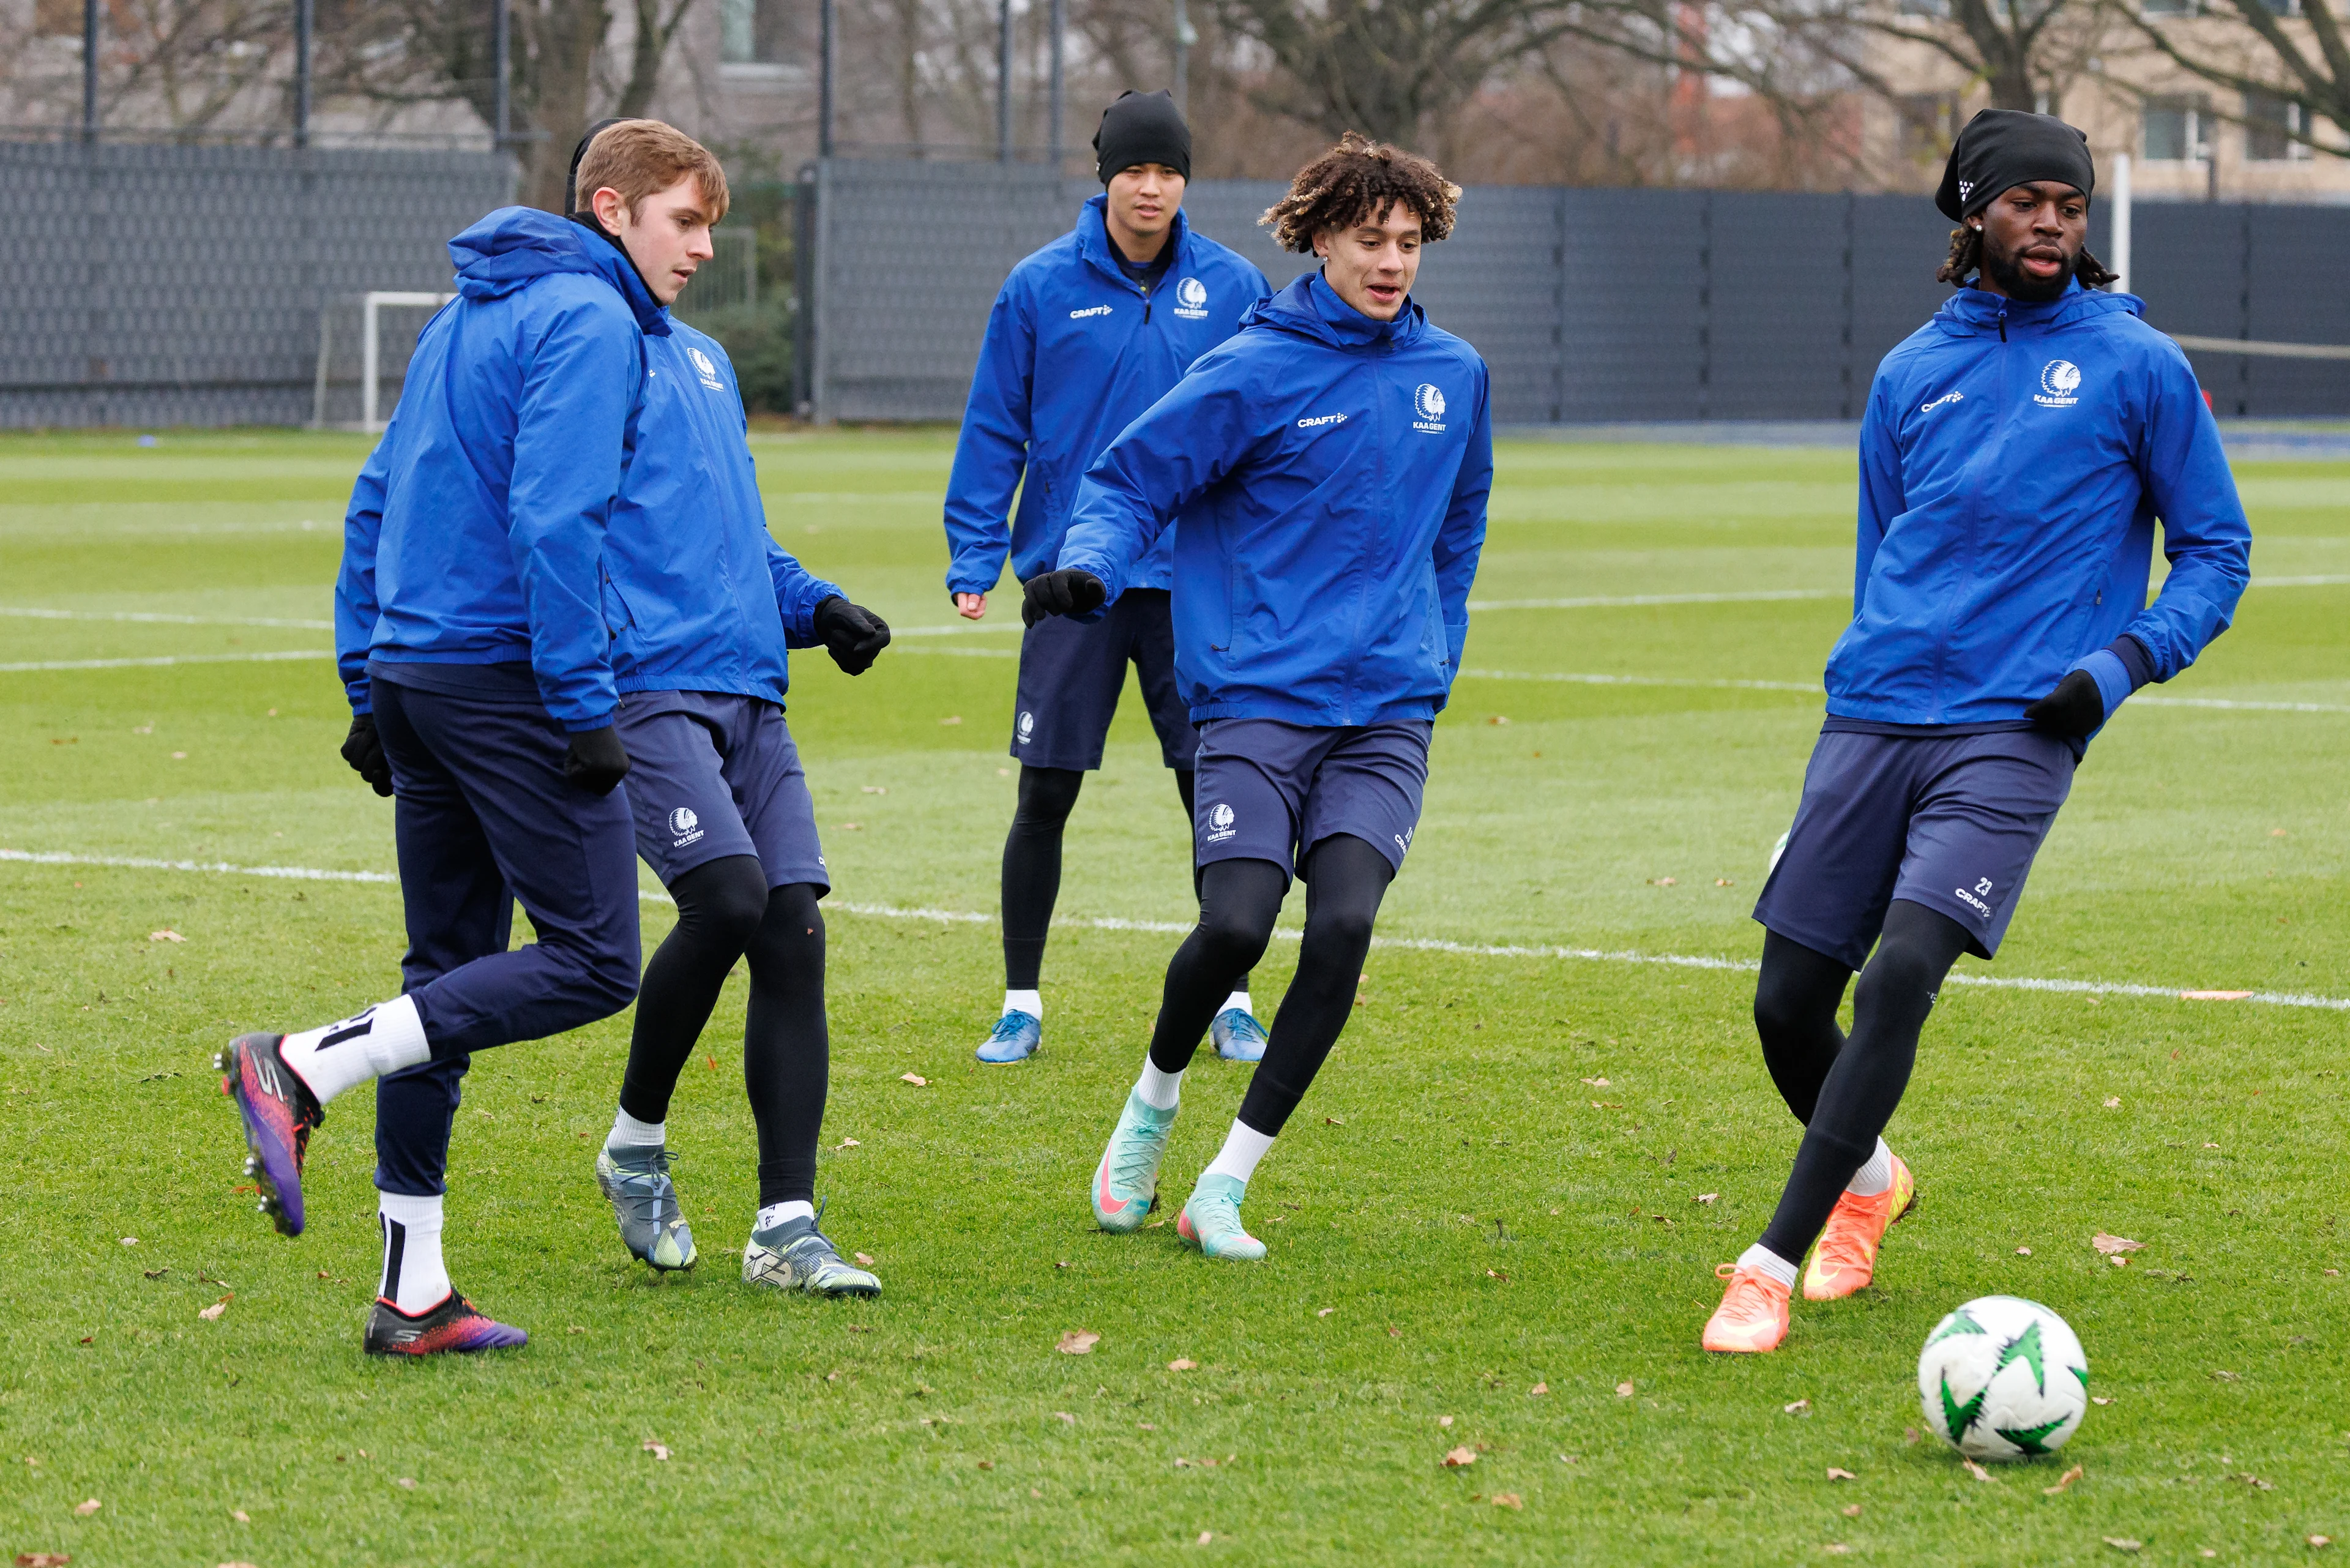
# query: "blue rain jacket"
{"points": [[2013, 459], [1331, 474], [1074, 351], [698, 596], [477, 529]]}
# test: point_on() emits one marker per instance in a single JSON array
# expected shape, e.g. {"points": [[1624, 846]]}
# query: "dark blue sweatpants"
{"points": [[485, 818]]}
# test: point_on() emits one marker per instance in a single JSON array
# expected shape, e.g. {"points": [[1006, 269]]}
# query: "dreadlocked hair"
{"points": [[1966, 256], [1360, 181]]}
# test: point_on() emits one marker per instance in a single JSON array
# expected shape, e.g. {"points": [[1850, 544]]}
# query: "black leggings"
{"points": [[1032, 866], [1845, 1091], [1345, 879], [727, 911]]}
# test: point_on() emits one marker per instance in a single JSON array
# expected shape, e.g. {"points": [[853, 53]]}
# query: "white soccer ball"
{"points": [[2003, 1379]]}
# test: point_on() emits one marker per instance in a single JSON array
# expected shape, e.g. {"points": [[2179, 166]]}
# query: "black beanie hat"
{"points": [[2004, 148], [571, 180], [1142, 127]]}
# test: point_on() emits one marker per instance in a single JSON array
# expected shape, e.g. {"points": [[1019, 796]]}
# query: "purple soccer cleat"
{"points": [[279, 1113], [452, 1328]]}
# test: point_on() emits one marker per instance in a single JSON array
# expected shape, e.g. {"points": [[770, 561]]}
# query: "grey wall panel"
{"points": [[1632, 268], [1495, 283], [1778, 308], [2188, 264], [1898, 242], [2297, 287]]}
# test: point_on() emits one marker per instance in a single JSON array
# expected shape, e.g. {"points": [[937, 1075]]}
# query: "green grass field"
{"points": [[1460, 1218]]}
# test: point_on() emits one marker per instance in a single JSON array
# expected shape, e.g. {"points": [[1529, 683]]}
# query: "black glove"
{"points": [[1070, 592], [852, 634], [364, 751], [597, 761], [2074, 709]]}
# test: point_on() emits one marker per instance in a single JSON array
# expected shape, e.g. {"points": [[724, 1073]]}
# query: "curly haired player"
{"points": [[1330, 465]]}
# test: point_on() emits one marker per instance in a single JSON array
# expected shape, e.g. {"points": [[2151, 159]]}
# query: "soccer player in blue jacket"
{"points": [[2014, 456], [471, 634], [702, 604], [1087, 333], [1330, 465]]}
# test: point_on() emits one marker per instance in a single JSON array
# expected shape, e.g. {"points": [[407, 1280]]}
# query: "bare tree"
{"points": [[2313, 76], [2026, 52]]}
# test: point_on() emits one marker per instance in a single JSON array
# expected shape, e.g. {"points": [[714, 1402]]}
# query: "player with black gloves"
{"points": [[474, 629], [2015, 456], [702, 605]]}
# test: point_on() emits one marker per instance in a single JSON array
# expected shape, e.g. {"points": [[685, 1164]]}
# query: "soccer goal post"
{"points": [[359, 321]]}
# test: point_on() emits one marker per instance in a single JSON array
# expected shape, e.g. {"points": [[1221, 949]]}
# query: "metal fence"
{"points": [[1588, 305], [183, 286]]}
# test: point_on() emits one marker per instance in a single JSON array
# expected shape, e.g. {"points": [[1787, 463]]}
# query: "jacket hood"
{"points": [[511, 245], [1093, 238], [1969, 311], [1310, 308]]}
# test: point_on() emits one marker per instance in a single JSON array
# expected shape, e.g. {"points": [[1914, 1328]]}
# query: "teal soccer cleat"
{"points": [[1210, 1221], [1126, 1183], [644, 1200], [1238, 1036], [1015, 1037]]}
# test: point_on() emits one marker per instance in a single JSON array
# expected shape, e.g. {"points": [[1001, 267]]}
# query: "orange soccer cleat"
{"points": [[1845, 1259], [1753, 1315]]}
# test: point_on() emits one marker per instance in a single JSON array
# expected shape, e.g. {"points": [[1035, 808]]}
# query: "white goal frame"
{"points": [[371, 305]]}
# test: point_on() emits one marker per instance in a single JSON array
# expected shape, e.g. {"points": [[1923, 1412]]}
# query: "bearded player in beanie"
{"points": [[1086, 334], [2014, 456]]}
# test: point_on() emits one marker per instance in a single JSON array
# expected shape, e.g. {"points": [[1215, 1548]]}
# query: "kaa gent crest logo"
{"points": [[684, 826], [1192, 299], [1220, 823], [2059, 380], [703, 363], [1428, 407]]}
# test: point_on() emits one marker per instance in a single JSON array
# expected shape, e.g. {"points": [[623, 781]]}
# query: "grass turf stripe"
{"points": [[1173, 927]]}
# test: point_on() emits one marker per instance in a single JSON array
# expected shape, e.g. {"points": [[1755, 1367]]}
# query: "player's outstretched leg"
{"points": [[1031, 884], [281, 1084], [416, 1313], [786, 1061], [1239, 900], [720, 906], [1346, 879]]}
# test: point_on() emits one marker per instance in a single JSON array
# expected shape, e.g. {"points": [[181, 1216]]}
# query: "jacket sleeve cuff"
{"points": [[582, 726], [2113, 678]]}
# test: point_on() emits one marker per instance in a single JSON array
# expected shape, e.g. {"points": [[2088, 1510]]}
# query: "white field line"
{"points": [[1173, 927], [35, 612], [963, 652], [1812, 687], [1618, 601], [163, 658]]}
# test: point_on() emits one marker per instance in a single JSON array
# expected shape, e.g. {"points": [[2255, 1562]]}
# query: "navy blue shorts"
{"points": [[1071, 675], [714, 775], [1271, 791], [1950, 822]]}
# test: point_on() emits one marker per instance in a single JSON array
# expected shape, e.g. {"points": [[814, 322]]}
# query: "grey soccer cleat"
{"points": [[644, 1200], [796, 1256]]}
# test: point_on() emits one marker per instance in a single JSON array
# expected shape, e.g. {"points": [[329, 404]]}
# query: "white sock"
{"points": [[1874, 1177], [346, 1053], [1159, 1091], [1243, 1147], [1762, 1258], [775, 1214], [1238, 999], [415, 1278], [630, 1133], [1027, 1001]]}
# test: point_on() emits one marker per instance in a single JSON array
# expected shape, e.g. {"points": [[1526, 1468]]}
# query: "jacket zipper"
{"points": [[2002, 323]]}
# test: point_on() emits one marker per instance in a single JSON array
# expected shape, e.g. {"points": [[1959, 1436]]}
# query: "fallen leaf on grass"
{"points": [[1509, 1500], [847, 1143], [2255, 1482], [987, 1464], [1852, 1510], [211, 1313], [1497, 1275], [875, 789], [1976, 1471], [1325, 1311], [84, 1509], [43, 1559], [914, 1078], [2211, 996], [1909, 1435], [2065, 1480], [1499, 718], [1077, 1342], [1664, 881], [1835, 1474], [2123, 1543], [2110, 1244], [408, 1483], [1800, 1408], [165, 936], [2226, 1377], [240, 1516], [1835, 1549], [1459, 1458], [2113, 1102], [1334, 1121], [951, 719], [1538, 1390], [1064, 1417], [2321, 1541], [2332, 1273], [864, 1260], [2099, 1399], [1705, 1197], [1624, 1389], [656, 1448], [1182, 1363], [2118, 1262], [1206, 1536], [2210, 1146], [2023, 1251], [1444, 1421], [1598, 1083]]}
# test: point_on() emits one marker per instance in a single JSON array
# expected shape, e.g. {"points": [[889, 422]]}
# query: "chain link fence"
{"points": [[186, 286], [1589, 305]]}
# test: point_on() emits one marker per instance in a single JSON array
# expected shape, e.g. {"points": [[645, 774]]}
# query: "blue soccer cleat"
{"points": [[1238, 1036], [1015, 1037]]}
